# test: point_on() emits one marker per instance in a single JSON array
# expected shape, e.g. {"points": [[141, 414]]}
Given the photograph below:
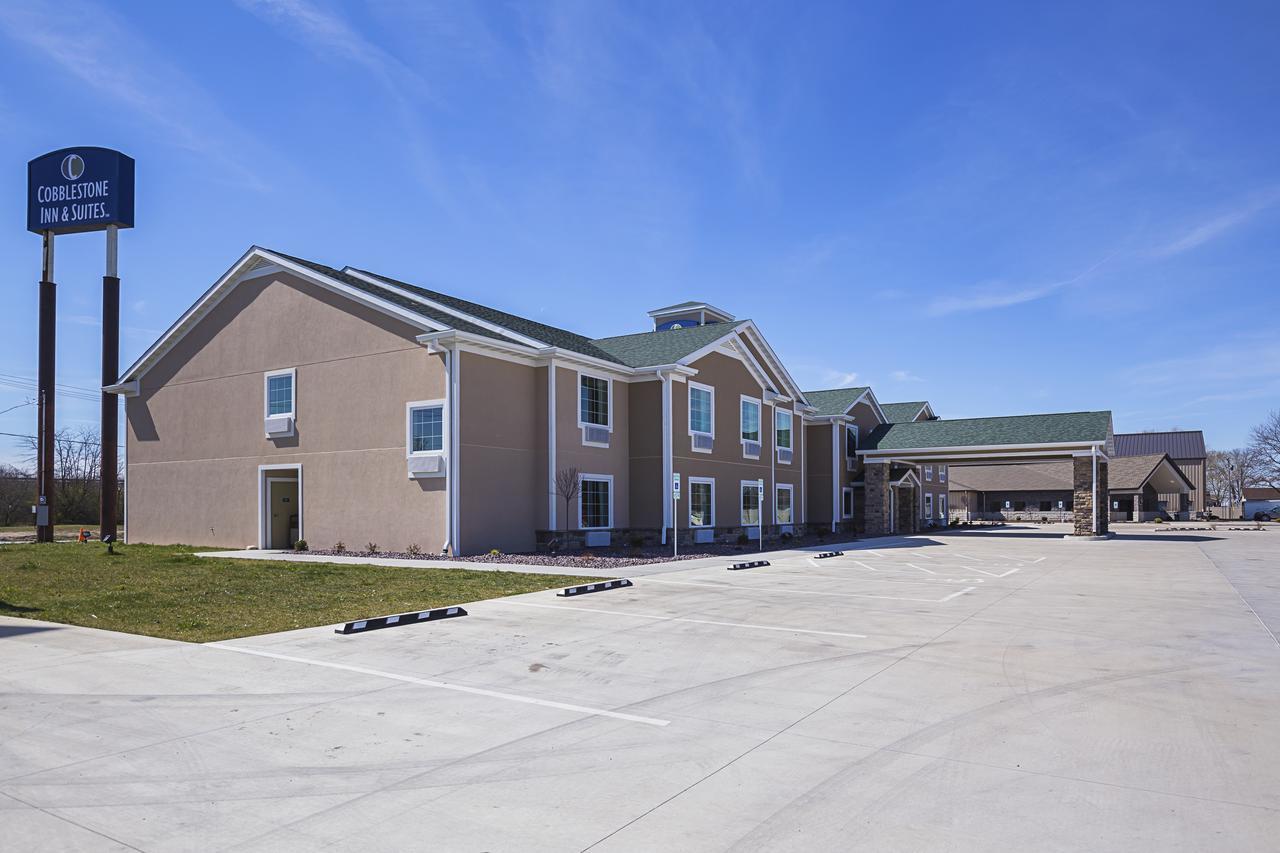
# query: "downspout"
{"points": [[836, 507], [448, 474], [456, 443], [551, 446], [773, 474], [667, 462]]}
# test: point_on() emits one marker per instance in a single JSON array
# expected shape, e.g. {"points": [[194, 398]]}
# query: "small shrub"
{"points": [[372, 547], [1044, 519], [553, 545], [340, 547], [743, 539], [300, 545], [413, 550], [786, 537], [494, 552], [637, 542], [1158, 520]]}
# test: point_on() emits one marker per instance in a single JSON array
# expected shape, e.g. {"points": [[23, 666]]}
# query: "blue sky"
{"points": [[1009, 209]]}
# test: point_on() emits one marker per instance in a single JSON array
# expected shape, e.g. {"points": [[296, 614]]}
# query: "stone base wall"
{"points": [[906, 517], [635, 537], [875, 504]]}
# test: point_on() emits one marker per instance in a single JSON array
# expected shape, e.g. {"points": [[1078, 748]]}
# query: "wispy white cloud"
{"points": [[91, 44], [904, 376], [1219, 224], [999, 293], [839, 378]]}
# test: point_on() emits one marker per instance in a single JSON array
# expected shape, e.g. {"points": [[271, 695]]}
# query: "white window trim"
{"points": [[689, 413], [689, 514], [264, 496], [292, 373], [577, 402], [942, 507], [745, 398], [791, 430], [408, 427], [928, 504], [791, 490], [601, 478], [846, 491], [755, 486], [928, 473], [851, 428]]}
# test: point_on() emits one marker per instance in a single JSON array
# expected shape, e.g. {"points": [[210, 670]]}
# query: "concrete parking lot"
{"points": [[961, 692]]}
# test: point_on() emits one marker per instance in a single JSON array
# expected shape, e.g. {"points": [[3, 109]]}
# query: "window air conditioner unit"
{"points": [[751, 448], [595, 434], [784, 455], [426, 466], [702, 442], [279, 426], [786, 528], [704, 535], [597, 539]]}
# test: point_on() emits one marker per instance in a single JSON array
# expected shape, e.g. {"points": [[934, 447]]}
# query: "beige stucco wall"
{"points": [[645, 407], [572, 453], [195, 433], [503, 454], [726, 463]]}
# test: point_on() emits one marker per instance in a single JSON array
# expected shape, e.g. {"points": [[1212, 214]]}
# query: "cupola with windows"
{"points": [[687, 314]]}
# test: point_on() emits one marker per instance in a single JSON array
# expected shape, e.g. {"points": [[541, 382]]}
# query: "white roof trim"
{"points": [[444, 309], [695, 306], [775, 363], [870, 397], [243, 270]]}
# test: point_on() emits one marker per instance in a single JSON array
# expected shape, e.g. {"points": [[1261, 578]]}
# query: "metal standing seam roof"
{"points": [[1057, 428], [650, 349], [835, 401], [901, 413], [1179, 444]]}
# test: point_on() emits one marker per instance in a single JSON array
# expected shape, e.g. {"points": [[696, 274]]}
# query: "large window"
{"points": [[702, 420], [426, 427], [750, 427], [595, 501], [702, 501], [783, 510], [750, 503], [928, 506], [782, 435], [594, 408], [279, 393]]}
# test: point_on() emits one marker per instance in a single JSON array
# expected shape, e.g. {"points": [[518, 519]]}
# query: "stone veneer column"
{"points": [[907, 517], [875, 509], [1082, 481]]}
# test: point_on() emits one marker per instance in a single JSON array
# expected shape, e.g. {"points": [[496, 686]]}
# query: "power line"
{"points": [[22, 383], [64, 440]]}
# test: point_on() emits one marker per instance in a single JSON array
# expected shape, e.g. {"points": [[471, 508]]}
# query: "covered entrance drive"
{"points": [[279, 506], [1086, 439]]}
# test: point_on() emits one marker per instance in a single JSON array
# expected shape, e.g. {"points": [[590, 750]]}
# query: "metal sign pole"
{"points": [[760, 514], [45, 395], [109, 473], [675, 515]]}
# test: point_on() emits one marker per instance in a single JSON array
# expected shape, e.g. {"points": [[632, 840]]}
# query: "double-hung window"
{"points": [[782, 507], [942, 508], [595, 502], [750, 427], [928, 473], [782, 435], [702, 417], [846, 502], [928, 505], [942, 473], [279, 404], [750, 503], [702, 500], [595, 409]]}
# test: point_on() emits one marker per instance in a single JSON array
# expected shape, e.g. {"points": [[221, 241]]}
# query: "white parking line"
{"points": [[922, 568], [444, 685], [683, 619]]}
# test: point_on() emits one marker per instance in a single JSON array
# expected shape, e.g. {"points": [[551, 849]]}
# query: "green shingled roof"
{"points": [[972, 432], [899, 413], [649, 349], [835, 401]]}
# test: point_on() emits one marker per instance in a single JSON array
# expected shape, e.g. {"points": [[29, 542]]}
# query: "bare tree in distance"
{"points": [[77, 460], [1228, 472], [1266, 445], [567, 486]]}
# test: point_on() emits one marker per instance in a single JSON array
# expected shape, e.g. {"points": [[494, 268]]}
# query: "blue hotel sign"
{"points": [[79, 189]]}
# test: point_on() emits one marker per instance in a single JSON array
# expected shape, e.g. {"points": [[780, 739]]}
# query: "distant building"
{"points": [[1186, 449], [1261, 500]]}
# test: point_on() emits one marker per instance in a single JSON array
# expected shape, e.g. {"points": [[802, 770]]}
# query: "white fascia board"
{"points": [[124, 389], [697, 306], [444, 309], [870, 397], [1048, 445], [242, 270], [775, 363]]}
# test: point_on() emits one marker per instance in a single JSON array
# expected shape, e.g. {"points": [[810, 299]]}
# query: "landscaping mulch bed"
{"points": [[595, 558]]}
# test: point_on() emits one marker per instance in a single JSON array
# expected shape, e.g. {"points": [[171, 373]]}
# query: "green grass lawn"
{"points": [[166, 591]]}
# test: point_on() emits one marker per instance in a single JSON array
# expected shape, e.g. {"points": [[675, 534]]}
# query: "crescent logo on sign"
{"points": [[72, 167]]}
